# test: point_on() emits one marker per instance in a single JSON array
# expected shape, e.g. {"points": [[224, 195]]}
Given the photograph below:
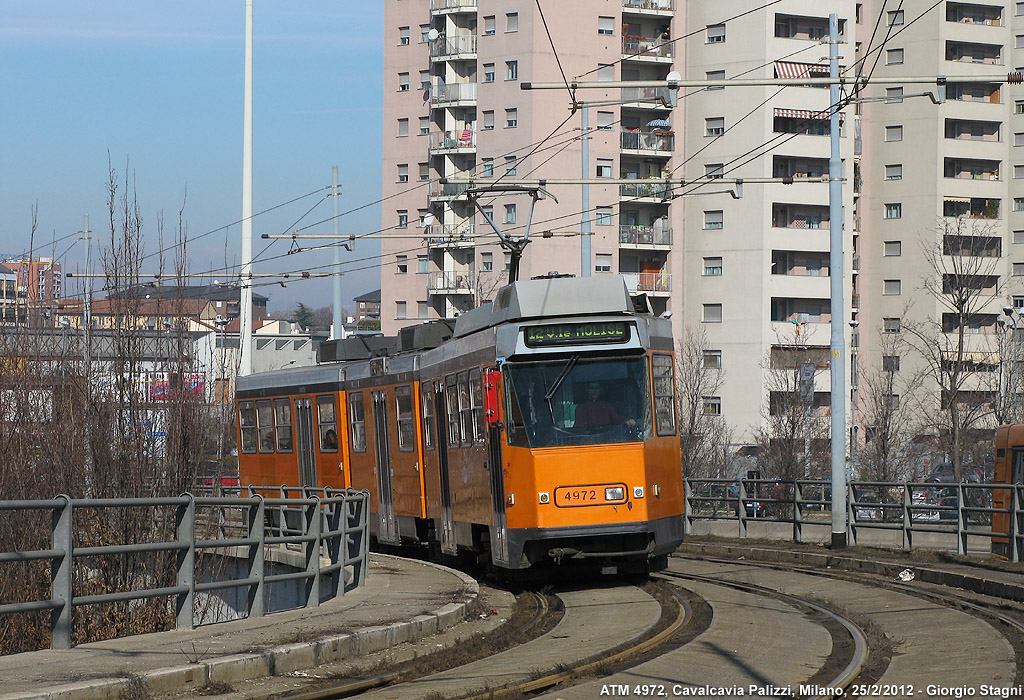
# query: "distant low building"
{"points": [[368, 305]]}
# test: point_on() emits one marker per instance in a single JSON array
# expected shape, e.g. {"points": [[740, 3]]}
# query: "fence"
{"points": [[961, 510], [324, 522]]}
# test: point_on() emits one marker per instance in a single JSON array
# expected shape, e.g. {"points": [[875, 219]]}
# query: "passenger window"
{"points": [[465, 410], [664, 395], [451, 396], [427, 408], [476, 396], [327, 423], [247, 424], [265, 425], [356, 421], [283, 424], [406, 421]]}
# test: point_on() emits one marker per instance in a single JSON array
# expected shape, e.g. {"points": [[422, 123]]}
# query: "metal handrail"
{"points": [[332, 524]]}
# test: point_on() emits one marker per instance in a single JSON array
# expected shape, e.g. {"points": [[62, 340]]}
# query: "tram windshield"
{"points": [[577, 401]]}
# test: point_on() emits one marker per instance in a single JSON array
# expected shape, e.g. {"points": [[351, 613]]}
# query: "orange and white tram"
{"points": [[540, 429]]}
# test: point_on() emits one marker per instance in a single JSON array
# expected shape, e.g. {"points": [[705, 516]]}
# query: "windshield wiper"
{"points": [[558, 383]]}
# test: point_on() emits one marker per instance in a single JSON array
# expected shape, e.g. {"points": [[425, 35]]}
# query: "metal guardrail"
{"points": [[324, 522], [959, 509]]}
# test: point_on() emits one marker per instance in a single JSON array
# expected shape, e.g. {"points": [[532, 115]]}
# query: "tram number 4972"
{"points": [[579, 495]]}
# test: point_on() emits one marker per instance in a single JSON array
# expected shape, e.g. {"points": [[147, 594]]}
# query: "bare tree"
{"points": [[963, 282], [704, 436]]}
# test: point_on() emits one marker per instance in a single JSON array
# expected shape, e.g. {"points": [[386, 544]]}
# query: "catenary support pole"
{"points": [[245, 302], [585, 265], [338, 331]]}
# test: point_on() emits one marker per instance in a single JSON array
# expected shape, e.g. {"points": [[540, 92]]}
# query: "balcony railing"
{"points": [[658, 5], [644, 235], [453, 45], [800, 222], [651, 95], [450, 235], [655, 140], [451, 282], [464, 5], [642, 189], [453, 92], [648, 281], [448, 189], [646, 46], [459, 138]]}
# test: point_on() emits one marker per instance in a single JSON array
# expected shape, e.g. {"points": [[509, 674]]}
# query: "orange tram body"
{"points": [[1009, 469], [541, 429]]}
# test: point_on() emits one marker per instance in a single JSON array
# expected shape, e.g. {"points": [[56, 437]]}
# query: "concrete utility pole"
{"points": [[245, 302], [338, 329], [585, 265]]}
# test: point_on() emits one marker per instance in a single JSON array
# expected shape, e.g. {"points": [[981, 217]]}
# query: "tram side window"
{"points": [[265, 425], [327, 423], [356, 421], [664, 395], [427, 407], [476, 396], [406, 421], [247, 423], [283, 424], [465, 410], [451, 399]]}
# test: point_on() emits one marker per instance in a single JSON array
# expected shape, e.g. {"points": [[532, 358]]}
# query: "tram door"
{"points": [[387, 531], [448, 545], [304, 442], [499, 532]]}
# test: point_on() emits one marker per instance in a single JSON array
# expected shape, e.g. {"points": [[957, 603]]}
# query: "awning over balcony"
{"points": [[805, 114], [981, 358], [965, 200], [788, 69]]}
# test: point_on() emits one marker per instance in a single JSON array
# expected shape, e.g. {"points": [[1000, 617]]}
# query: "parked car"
{"points": [[753, 507]]}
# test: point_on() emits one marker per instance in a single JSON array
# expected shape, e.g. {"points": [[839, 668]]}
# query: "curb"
{"points": [[976, 584], [273, 661]]}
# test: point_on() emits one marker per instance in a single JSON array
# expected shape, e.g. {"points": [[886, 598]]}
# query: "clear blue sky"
{"points": [[158, 86]]}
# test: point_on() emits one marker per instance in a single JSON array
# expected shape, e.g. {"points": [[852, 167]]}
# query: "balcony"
{"points": [[448, 141], [970, 207], [453, 92], [654, 7], [451, 236], [642, 47], [804, 28], [962, 52], [971, 169], [965, 13], [451, 6], [448, 190], [450, 282], [460, 46], [973, 92], [643, 190], [656, 97], [973, 246], [653, 283], [972, 130], [644, 236], [800, 217], [659, 141]]}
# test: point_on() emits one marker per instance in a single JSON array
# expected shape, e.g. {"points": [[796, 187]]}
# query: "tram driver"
{"points": [[596, 412]]}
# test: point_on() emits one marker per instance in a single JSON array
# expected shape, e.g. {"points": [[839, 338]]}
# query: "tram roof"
{"points": [[292, 377]]}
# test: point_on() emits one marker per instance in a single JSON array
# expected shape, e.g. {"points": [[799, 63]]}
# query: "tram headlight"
{"points": [[614, 493]]}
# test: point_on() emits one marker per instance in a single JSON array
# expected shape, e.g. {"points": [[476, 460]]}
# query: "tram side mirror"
{"points": [[492, 377]]}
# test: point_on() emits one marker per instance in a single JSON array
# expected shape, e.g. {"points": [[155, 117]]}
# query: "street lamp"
{"points": [[1008, 362], [854, 343]]}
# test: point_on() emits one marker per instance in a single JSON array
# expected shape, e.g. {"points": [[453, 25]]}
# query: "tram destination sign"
{"points": [[577, 333]]}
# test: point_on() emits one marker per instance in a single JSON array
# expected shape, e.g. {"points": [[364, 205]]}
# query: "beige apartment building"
{"points": [[748, 268]]}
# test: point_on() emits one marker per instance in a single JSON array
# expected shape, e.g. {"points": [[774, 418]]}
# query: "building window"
{"points": [[486, 262], [712, 267], [1020, 9], [606, 26], [424, 171], [713, 219], [894, 172], [512, 22], [488, 72], [510, 165], [488, 170], [403, 36], [891, 288], [604, 167], [714, 126], [424, 126], [508, 262], [403, 218], [605, 120], [893, 94], [603, 262], [1018, 107], [422, 264], [603, 217], [894, 133], [893, 210], [716, 34], [400, 311], [893, 249], [895, 18], [715, 75], [424, 80], [403, 82], [403, 127], [890, 363], [893, 57], [488, 120], [424, 33], [712, 405], [712, 359], [401, 264], [891, 325], [712, 313], [1018, 203], [1018, 269], [605, 72], [714, 171], [510, 213], [488, 212], [511, 118], [1018, 236], [511, 70], [1018, 302], [422, 309], [403, 172], [1018, 138], [489, 26]]}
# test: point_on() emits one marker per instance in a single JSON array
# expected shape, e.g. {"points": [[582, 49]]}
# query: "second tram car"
{"points": [[1009, 469], [540, 429]]}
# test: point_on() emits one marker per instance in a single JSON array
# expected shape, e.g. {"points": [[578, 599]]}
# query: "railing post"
{"points": [[798, 511], [908, 501], [186, 536], [687, 523], [61, 535], [332, 525], [961, 536], [741, 507], [257, 532], [313, 531], [362, 541], [1015, 514]]}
